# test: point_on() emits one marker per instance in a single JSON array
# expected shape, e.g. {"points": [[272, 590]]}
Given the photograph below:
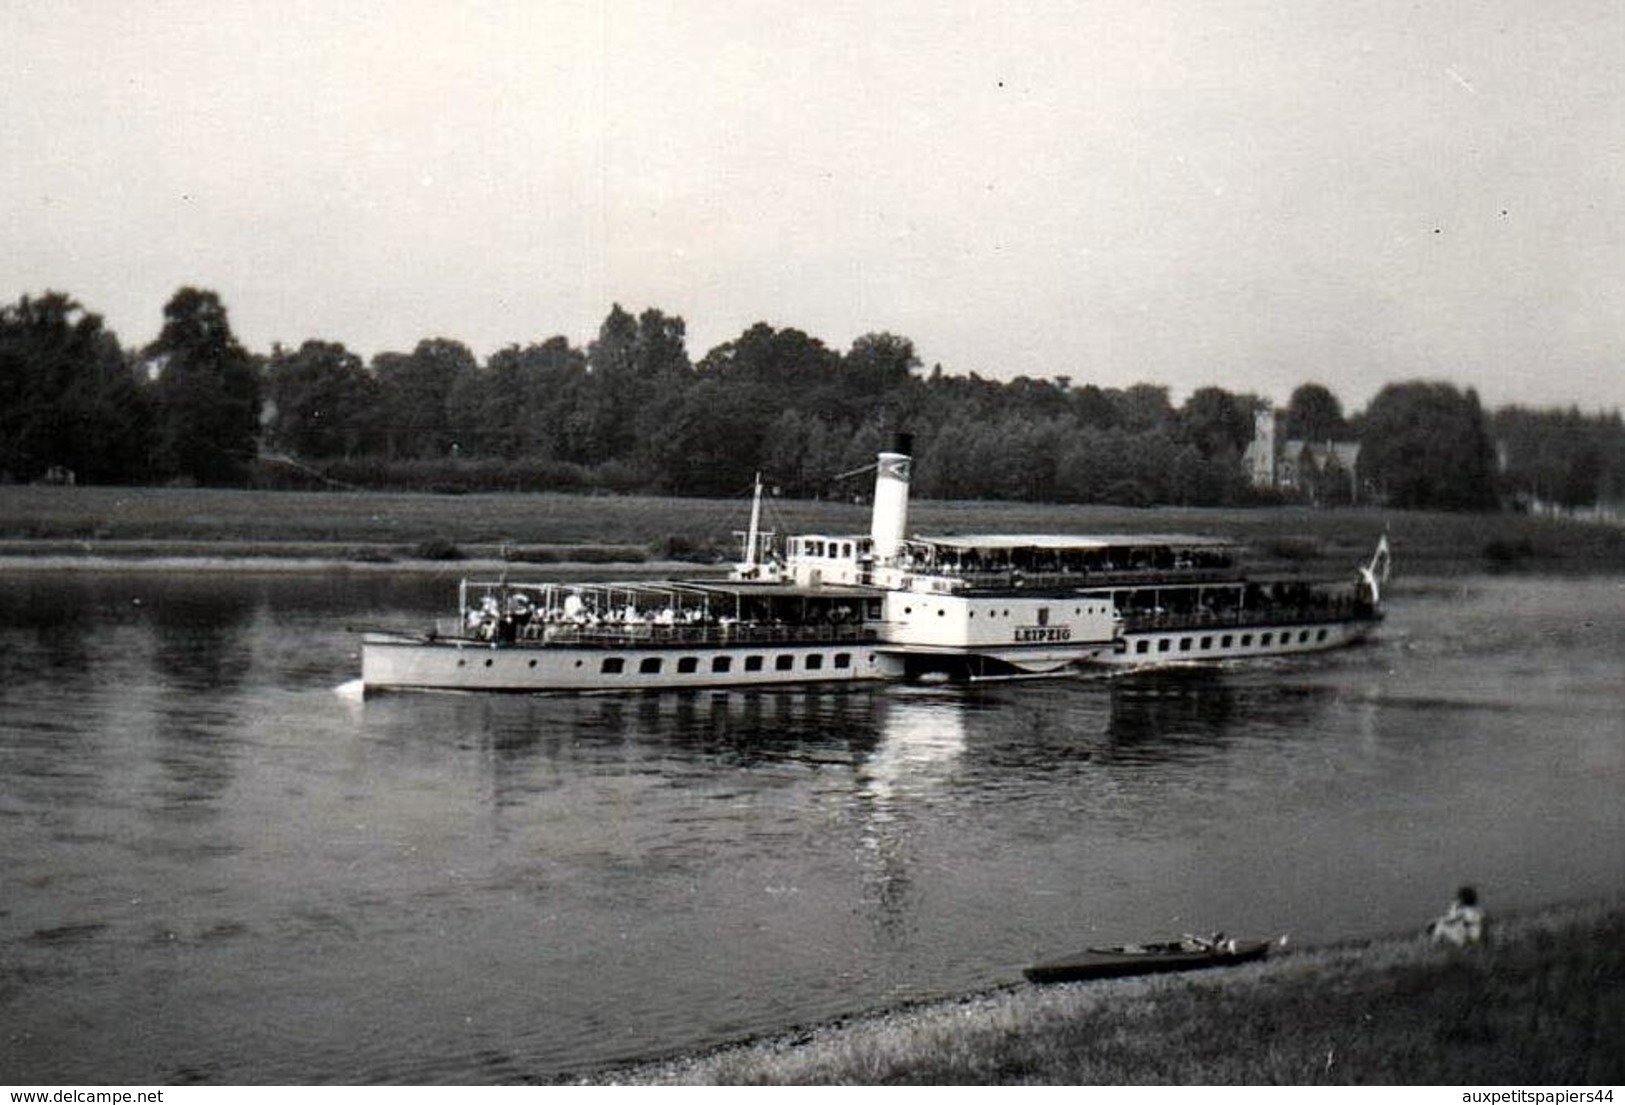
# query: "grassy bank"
{"points": [[544, 528], [1543, 1004]]}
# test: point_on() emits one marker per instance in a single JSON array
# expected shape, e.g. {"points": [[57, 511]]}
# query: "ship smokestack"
{"points": [[890, 521]]}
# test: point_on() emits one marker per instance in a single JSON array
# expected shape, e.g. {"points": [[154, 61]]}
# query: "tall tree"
{"points": [[322, 401], [207, 390], [637, 366], [68, 398], [1426, 447], [1217, 422], [1313, 413], [414, 389]]}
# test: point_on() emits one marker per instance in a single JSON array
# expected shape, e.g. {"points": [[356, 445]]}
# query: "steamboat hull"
{"points": [[1239, 641], [391, 662]]}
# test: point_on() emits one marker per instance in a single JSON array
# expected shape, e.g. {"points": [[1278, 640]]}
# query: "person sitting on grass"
{"points": [[1462, 924]]}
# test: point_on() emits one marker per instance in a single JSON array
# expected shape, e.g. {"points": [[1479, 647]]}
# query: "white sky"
{"points": [[1246, 194]]}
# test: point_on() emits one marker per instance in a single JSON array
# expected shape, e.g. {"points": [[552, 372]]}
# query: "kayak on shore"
{"points": [[1189, 953]]}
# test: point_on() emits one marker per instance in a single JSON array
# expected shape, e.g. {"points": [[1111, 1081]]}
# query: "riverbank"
{"points": [[314, 529], [1542, 1004]]}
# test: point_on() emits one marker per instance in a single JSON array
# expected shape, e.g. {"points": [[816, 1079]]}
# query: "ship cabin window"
{"points": [[843, 659], [784, 662], [726, 663], [1321, 636], [1303, 637], [687, 664], [649, 665], [1207, 643], [1246, 640], [1265, 640], [814, 661], [1043, 615], [1224, 642], [1184, 644], [612, 665], [752, 663], [1142, 646], [1162, 645]]}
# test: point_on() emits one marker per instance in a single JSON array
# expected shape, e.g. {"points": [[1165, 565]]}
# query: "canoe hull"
{"points": [[1121, 963]]}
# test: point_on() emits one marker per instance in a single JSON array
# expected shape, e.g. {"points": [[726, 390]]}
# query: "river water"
{"points": [[220, 865]]}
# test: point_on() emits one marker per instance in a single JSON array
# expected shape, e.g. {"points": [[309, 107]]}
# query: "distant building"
{"points": [[1317, 471]]}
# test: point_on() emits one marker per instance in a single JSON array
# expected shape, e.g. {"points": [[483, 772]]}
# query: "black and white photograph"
{"points": [[609, 544]]}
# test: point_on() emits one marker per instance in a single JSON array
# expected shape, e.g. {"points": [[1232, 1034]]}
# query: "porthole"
{"points": [[489, 662]]}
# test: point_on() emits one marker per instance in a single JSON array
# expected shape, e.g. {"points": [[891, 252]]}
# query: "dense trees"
{"points": [[67, 397], [632, 411], [1563, 458]]}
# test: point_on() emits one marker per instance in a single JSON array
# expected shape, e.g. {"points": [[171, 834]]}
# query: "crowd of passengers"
{"points": [[1065, 561], [518, 618], [1287, 601]]}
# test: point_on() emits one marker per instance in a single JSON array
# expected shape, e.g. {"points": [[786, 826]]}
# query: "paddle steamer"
{"points": [[881, 605]]}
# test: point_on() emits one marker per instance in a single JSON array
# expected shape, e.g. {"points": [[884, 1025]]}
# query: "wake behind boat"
{"points": [[881, 605]]}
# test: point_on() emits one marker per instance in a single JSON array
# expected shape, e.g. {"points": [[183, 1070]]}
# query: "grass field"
{"points": [[1542, 1005], [545, 527]]}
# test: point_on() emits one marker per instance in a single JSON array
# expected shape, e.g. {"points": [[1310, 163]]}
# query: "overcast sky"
{"points": [[1251, 195]]}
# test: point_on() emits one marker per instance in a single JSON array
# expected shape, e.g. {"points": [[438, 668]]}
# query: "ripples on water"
{"points": [[221, 865]]}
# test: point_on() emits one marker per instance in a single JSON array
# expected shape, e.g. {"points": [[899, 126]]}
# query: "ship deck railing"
{"points": [[1139, 621], [645, 635]]}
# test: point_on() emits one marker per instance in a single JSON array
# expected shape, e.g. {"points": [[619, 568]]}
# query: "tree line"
{"points": [[633, 412]]}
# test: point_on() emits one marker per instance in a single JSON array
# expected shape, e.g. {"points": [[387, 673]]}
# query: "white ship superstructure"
{"points": [[881, 605]]}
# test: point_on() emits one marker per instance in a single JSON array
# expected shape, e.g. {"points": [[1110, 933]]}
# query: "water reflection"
{"points": [[201, 657], [224, 867]]}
